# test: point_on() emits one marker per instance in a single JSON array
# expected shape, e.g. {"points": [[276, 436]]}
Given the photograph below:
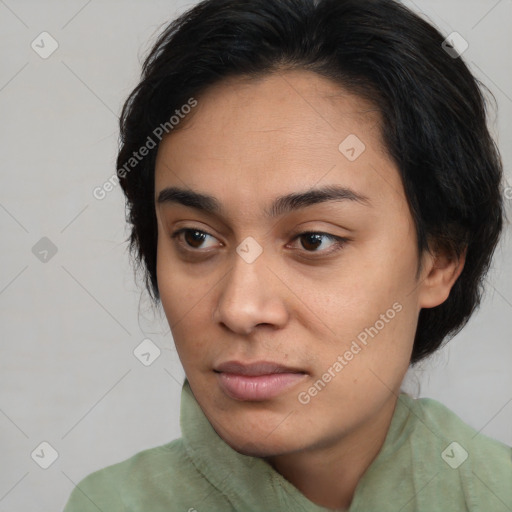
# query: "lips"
{"points": [[257, 381], [255, 369]]}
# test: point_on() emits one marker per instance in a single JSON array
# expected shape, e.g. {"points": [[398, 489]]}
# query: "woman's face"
{"points": [[333, 313]]}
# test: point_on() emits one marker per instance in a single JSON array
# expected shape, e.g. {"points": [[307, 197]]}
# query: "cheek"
{"points": [[175, 293], [375, 333], [372, 313], [362, 367], [367, 286], [385, 269], [176, 283], [185, 303], [171, 288]]}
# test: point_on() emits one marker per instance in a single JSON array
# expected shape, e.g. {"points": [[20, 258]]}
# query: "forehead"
{"points": [[248, 140]]}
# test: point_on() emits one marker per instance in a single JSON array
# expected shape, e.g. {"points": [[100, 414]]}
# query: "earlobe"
{"points": [[440, 273]]}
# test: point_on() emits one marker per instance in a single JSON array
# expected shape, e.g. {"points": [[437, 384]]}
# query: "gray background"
{"points": [[70, 324]]}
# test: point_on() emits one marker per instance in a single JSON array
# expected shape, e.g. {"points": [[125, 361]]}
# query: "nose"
{"points": [[250, 296]]}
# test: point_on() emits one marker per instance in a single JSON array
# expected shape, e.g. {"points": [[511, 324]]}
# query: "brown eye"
{"points": [[191, 238], [312, 240], [194, 238]]}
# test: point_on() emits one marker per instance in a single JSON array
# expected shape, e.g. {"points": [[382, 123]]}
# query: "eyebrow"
{"points": [[280, 206]]}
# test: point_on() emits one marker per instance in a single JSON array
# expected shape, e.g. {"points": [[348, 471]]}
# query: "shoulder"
{"points": [[483, 464], [156, 479], [448, 425], [433, 460]]}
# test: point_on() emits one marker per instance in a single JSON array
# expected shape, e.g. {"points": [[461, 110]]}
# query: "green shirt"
{"points": [[430, 461]]}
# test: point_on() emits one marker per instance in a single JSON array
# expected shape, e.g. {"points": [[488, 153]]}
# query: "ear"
{"points": [[440, 271]]}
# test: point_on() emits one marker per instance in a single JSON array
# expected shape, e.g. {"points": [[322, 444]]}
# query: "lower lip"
{"points": [[257, 388]]}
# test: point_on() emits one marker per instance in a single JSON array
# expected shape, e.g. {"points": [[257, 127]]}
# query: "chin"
{"points": [[254, 449], [258, 443]]}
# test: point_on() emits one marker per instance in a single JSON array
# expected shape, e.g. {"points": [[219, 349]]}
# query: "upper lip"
{"points": [[253, 369]]}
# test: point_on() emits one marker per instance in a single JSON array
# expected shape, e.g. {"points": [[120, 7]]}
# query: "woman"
{"points": [[315, 199]]}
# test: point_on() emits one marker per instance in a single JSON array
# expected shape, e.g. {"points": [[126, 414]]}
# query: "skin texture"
{"points": [[246, 143]]}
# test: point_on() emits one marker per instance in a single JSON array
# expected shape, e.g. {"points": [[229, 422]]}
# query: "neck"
{"points": [[328, 475]]}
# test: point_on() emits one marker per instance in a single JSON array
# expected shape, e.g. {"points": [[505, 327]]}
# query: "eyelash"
{"points": [[339, 241]]}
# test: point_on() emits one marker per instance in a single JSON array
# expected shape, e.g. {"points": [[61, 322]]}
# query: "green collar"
{"points": [[251, 483]]}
